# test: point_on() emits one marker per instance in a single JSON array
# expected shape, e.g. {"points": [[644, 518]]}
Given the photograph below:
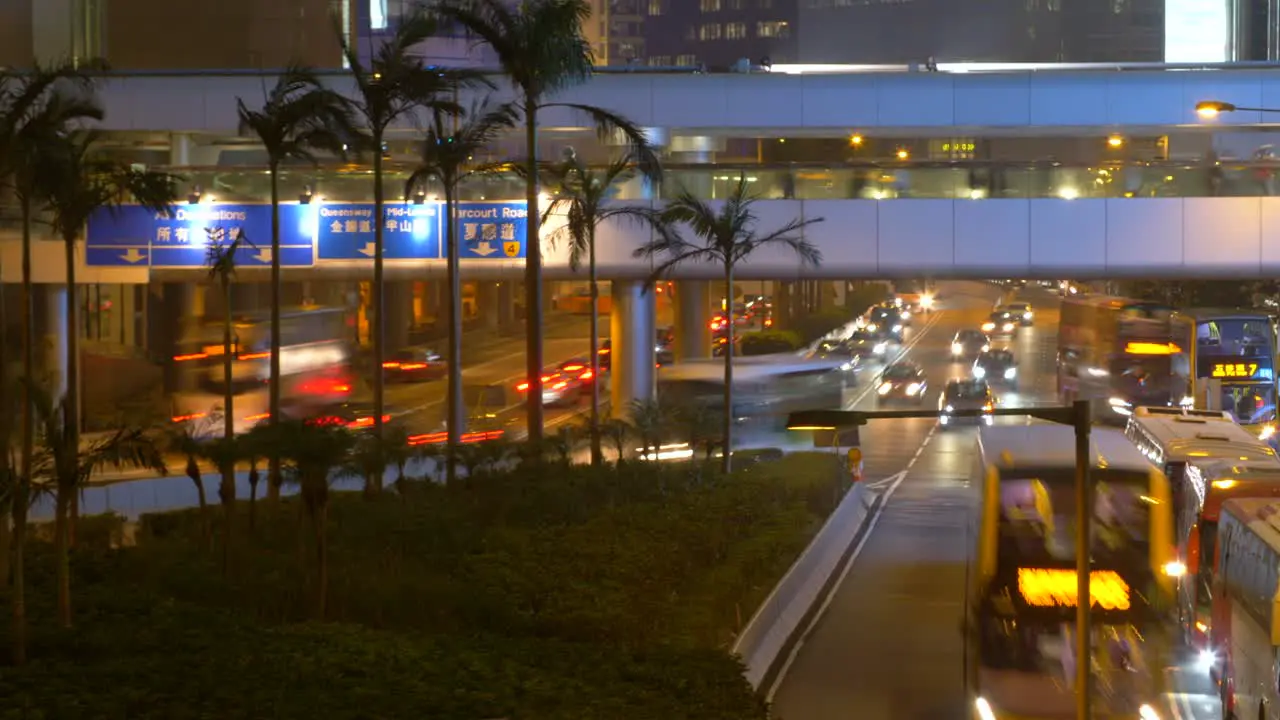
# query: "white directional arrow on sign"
{"points": [[264, 255], [484, 249], [133, 255], [369, 249]]}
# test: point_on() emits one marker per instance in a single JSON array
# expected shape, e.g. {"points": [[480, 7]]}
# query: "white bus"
{"points": [[767, 388], [1246, 609]]}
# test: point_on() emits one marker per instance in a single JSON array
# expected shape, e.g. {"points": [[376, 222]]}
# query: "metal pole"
{"points": [[1084, 514]]}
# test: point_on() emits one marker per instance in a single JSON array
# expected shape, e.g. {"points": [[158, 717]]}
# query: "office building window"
{"points": [[660, 61], [735, 30], [710, 5], [773, 29], [686, 60], [709, 31], [655, 7]]}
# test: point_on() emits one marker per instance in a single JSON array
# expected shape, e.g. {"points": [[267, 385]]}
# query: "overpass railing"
{"points": [[828, 181]]}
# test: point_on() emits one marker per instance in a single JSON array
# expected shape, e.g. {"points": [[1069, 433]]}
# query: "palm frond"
{"points": [[611, 126]]}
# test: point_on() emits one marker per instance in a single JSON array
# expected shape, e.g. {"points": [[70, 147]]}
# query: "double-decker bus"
{"points": [[1120, 353], [1246, 608], [315, 366], [1237, 348], [1021, 603]]}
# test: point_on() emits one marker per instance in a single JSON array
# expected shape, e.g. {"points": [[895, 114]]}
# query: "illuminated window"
{"points": [[686, 60], [735, 30], [773, 29], [660, 60], [378, 14], [710, 31], [710, 5], [655, 7]]}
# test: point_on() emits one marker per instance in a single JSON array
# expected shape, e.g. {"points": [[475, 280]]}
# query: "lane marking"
{"points": [[826, 602], [902, 352]]}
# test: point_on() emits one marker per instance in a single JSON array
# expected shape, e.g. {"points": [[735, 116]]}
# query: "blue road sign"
{"points": [[410, 231], [492, 229], [181, 239]]}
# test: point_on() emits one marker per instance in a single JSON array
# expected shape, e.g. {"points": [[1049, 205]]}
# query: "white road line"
{"points": [[826, 602], [915, 338]]}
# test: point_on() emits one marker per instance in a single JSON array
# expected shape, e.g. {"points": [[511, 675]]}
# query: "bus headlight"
{"points": [[913, 388], [957, 349], [1175, 569], [1010, 373], [1267, 432], [885, 388], [1146, 712], [988, 326], [1007, 327], [1027, 315], [984, 709], [926, 302], [1118, 402], [1206, 660]]}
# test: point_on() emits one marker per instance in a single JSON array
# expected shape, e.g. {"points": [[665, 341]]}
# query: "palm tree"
{"points": [[36, 109], [187, 441], [78, 185], [583, 200], [220, 258], [299, 118], [66, 468], [541, 49], [314, 450], [446, 160], [726, 236], [394, 84]]}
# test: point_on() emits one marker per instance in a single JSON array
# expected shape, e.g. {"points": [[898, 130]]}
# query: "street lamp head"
{"points": [[1212, 108]]}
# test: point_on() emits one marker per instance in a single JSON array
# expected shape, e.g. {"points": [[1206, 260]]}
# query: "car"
{"points": [[996, 366], [902, 381], [557, 388], [578, 368], [415, 364], [1022, 312], [1000, 323], [840, 351], [965, 395], [885, 322], [900, 306], [969, 343], [357, 416], [664, 348], [866, 345]]}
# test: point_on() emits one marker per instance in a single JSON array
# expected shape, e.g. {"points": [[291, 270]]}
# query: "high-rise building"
{"points": [[718, 33], [1253, 30]]}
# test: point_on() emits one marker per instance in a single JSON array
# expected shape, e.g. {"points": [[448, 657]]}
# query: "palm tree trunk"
{"points": [[533, 282], [28, 446], [273, 469], [726, 463], [320, 519], [454, 404], [253, 495], [62, 554], [18, 603], [202, 501], [227, 487], [376, 296], [71, 417], [597, 455], [6, 539]]}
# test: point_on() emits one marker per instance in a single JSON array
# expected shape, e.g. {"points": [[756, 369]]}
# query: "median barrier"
{"points": [[780, 621]]}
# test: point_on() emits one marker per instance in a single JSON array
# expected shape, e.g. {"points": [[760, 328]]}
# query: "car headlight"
{"points": [[986, 348], [885, 388], [880, 348], [1010, 373], [1146, 712], [979, 372], [871, 327], [897, 328], [1118, 402], [1008, 327], [1267, 432], [906, 315], [926, 301], [988, 326], [1026, 315], [957, 349], [984, 709], [948, 409], [913, 388]]}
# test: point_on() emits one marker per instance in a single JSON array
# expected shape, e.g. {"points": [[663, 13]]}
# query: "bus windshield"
{"points": [[1239, 337], [1143, 379], [1038, 520]]}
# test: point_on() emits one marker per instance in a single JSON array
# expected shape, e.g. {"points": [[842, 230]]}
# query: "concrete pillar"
{"points": [[782, 305], [632, 371], [489, 301], [399, 305], [51, 315], [506, 306], [179, 150], [693, 334]]}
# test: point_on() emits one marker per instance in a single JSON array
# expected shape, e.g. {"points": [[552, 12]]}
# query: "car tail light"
{"points": [[190, 356], [603, 351], [560, 385], [390, 365], [586, 375], [413, 366], [572, 368], [259, 416], [185, 418], [256, 356], [522, 387]]}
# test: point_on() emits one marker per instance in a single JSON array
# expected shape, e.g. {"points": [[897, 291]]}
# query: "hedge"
{"points": [[573, 595]]}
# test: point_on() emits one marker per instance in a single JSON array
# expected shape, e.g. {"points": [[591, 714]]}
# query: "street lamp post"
{"points": [[1214, 108], [1079, 417]]}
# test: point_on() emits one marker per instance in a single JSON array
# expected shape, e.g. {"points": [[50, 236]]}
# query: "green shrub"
{"points": [[576, 594]]}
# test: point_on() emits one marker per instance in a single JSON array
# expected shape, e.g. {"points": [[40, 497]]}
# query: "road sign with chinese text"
{"points": [[410, 231], [133, 235], [492, 229]]}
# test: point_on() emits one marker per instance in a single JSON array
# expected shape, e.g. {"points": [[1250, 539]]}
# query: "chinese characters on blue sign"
{"points": [[135, 236]]}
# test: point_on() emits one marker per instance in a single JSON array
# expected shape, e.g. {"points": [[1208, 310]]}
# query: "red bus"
{"points": [[1246, 608]]}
